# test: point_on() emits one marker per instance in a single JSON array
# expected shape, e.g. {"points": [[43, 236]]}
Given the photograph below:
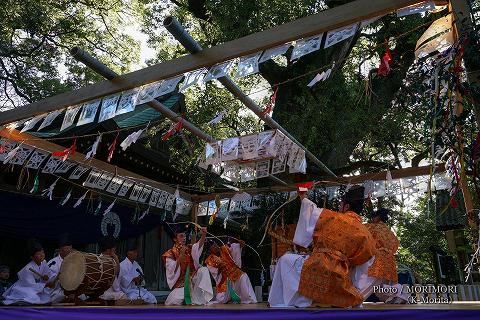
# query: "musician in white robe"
{"points": [[108, 248], [131, 277], [182, 264], [33, 281], [65, 247]]}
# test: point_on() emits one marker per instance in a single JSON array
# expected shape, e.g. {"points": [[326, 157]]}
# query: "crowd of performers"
{"points": [[343, 260]]}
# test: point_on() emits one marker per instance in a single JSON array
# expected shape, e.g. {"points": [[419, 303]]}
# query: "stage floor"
{"points": [[456, 310]]}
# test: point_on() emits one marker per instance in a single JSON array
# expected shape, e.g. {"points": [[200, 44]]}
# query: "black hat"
{"points": [[34, 246], [64, 240], [107, 243], [354, 193], [4, 268], [175, 228], [132, 245], [382, 213]]}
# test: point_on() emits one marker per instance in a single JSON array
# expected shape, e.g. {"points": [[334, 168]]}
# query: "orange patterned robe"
{"points": [[216, 262], [384, 266], [340, 242], [174, 253]]}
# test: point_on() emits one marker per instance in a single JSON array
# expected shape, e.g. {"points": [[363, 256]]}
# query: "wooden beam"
{"points": [[377, 176], [80, 158], [337, 17]]}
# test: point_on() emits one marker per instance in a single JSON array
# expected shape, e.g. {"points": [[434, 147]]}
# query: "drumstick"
{"points": [[36, 272]]}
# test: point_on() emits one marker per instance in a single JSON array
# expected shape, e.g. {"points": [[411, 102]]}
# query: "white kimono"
{"points": [[242, 287], [114, 292], [29, 288], [286, 279], [201, 290], [128, 271], [56, 293]]}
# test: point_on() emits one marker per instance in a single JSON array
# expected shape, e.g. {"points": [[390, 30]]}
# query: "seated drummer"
{"points": [[64, 249], [33, 280], [108, 248]]}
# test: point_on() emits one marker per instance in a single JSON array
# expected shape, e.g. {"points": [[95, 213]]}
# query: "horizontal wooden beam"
{"points": [[337, 17], [377, 176], [48, 146]]}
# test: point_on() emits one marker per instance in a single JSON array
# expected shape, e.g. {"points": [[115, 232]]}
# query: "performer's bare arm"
{"points": [[202, 238]]}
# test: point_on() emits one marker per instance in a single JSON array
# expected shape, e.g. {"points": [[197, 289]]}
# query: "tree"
{"points": [[36, 36]]}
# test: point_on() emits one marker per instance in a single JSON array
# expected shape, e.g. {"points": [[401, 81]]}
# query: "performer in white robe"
{"points": [[177, 261], [65, 247], [108, 248], [284, 291], [32, 281], [224, 265], [131, 277]]}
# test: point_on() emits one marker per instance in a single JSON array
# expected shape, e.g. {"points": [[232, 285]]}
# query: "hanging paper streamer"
{"points": [[89, 111], [247, 65], [65, 153], [93, 150], [132, 138], [49, 191], [321, 76], [226, 220], [11, 154], [218, 71], [306, 46], [67, 197], [79, 201], [144, 213], [192, 78], [109, 208], [69, 117], [274, 52], [175, 128], [437, 38], [109, 107], [31, 123], [49, 119], [218, 117], [112, 147], [35, 185], [271, 103], [384, 68], [97, 210]]}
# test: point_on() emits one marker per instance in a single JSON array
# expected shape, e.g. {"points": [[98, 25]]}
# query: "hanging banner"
{"points": [[147, 92], [78, 172], [162, 200], [31, 123], [92, 178], [126, 185], [154, 197], [192, 78], [103, 180], [274, 52], [278, 166], [213, 152], [135, 194], [230, 149], [37, 158], [146, 191], [127, 102], [218, 71], [69, 118], [263, 169], [22, 154], [249, 147], [49, 119], [338, 35], [169, 202], [89, 112], [416, 8], [247, 65], [115, 184], [167, 86], [266, 144], [65, 166], [306, 46], [109, 107], [51, 165]]}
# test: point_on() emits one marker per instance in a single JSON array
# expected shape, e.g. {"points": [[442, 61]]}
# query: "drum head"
{"points": [[72, 271]]}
